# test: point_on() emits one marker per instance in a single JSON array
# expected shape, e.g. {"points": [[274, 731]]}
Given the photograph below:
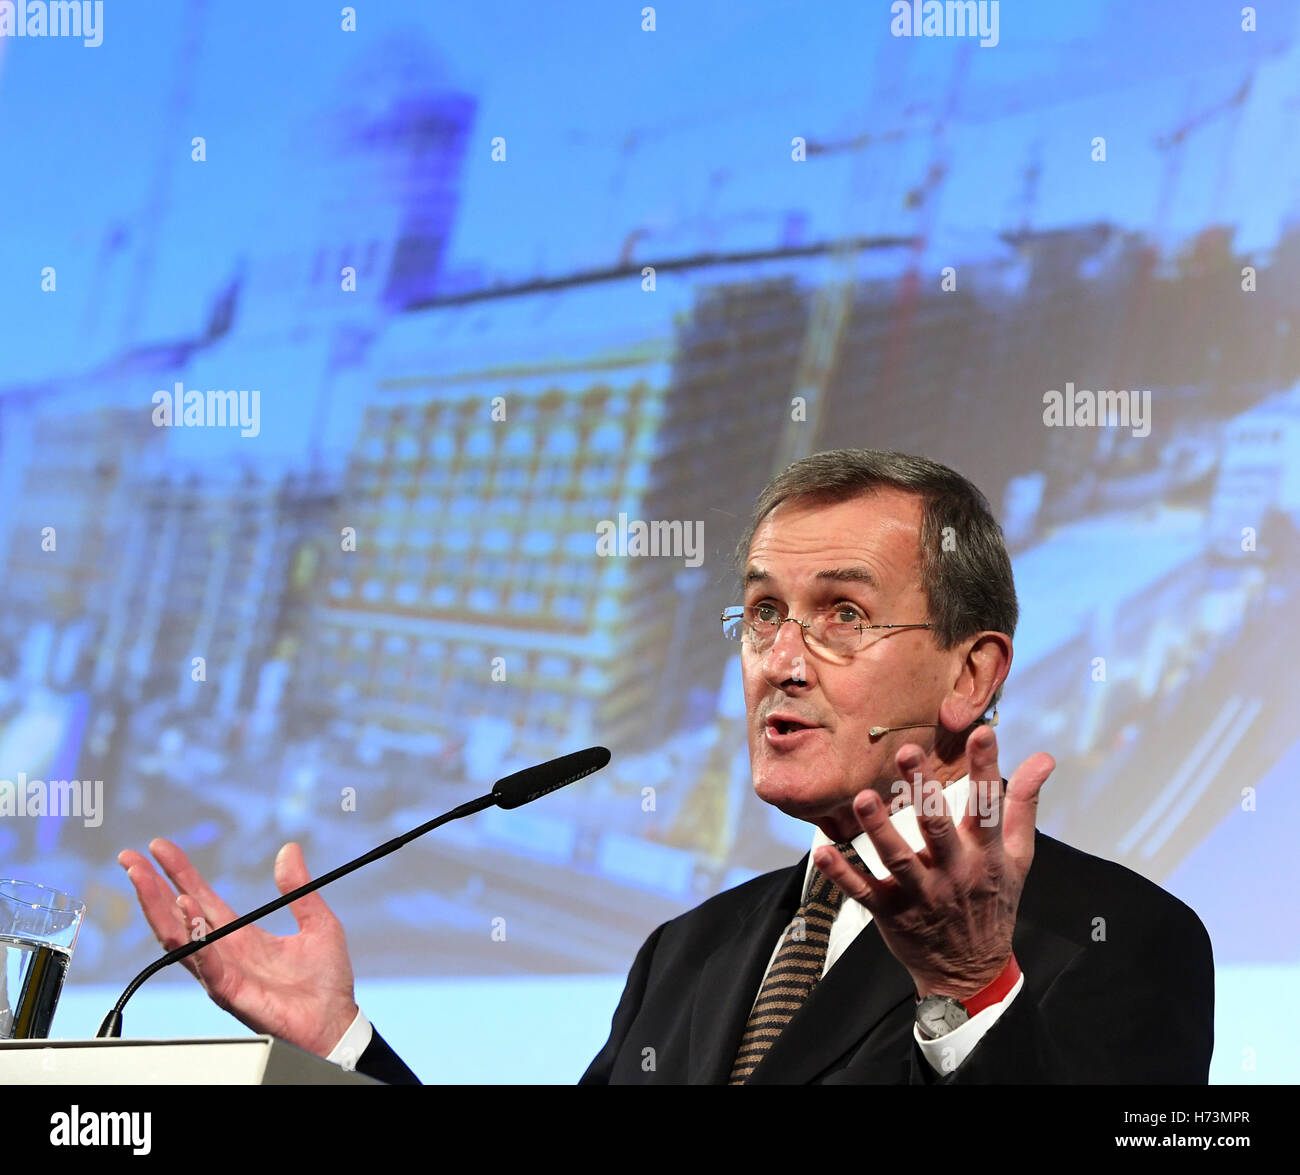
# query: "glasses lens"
{"points": [[762, 635], [836, 635]]}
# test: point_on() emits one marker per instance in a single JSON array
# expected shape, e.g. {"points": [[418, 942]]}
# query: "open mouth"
{"points": [[787, 726]]}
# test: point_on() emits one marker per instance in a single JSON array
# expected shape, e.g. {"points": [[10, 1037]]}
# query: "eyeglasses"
{"points": [[839, 630]]}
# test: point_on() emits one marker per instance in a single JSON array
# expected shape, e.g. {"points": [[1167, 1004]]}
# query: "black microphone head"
{"points": [[534, 782]]}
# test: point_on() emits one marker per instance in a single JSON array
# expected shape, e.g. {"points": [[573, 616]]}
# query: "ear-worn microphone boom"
{"points": [[877, 731]]}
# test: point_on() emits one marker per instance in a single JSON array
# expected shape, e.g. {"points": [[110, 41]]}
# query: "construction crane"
{"points": [[176, 113], [715, 803], [1173, 145]]}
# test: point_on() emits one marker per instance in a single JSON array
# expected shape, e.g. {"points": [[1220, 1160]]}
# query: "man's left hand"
{"points": [[948, 912]]}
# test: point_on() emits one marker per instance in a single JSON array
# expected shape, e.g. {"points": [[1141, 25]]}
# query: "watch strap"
{"points": [[996, 991]]}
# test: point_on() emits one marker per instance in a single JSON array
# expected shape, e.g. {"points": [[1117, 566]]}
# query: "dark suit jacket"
{"points": [[1119, 988]]}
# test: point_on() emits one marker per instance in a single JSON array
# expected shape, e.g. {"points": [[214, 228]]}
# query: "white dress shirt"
{"points": [[355, 1042], [944, 1054]]}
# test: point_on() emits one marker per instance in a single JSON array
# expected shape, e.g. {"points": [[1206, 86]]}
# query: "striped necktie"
{"points": [[795, 970]]}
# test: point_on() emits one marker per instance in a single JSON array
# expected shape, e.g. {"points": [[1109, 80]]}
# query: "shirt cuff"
{"points": [[357, 1039], [948, 1052]]}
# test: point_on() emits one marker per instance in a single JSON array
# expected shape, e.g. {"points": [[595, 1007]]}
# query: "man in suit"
{"points": [[931, 935]]}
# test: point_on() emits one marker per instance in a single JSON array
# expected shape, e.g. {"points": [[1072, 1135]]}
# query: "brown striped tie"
{"points": [[795, 970]]}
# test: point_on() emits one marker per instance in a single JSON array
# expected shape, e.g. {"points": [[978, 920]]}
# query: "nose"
{"points": [[787, 661]]}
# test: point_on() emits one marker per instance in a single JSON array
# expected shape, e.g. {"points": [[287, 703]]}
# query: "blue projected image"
{"points": [[327, 355]]}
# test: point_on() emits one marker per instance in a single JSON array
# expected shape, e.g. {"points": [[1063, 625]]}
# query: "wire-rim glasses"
{"points": [[839, 630]]}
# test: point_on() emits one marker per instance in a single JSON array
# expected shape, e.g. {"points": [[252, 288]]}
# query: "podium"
{"points": [[244, 1060]]}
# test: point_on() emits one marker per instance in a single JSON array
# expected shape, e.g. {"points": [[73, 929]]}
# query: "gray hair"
{"points": [[967, 581]]}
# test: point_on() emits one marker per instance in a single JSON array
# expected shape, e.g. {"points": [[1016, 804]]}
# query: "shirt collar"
{"points": [[956, 793]]}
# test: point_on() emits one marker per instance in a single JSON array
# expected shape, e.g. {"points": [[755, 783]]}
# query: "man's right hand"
{"points": [[297, 987]]}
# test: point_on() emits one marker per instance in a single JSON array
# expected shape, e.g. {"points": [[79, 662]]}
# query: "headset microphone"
{"points": [[877, 731]]}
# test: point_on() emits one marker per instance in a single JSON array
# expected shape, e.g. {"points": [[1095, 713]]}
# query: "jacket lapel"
{"points": [[730, 978]]}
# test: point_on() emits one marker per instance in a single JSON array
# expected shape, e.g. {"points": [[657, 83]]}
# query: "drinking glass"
{"points": [[38, 929]]}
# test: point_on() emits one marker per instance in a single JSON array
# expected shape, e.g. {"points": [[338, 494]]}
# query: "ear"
{"points": [[985, 661]]}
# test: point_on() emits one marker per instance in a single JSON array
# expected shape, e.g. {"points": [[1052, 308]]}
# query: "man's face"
{"points": [[808, 557]]}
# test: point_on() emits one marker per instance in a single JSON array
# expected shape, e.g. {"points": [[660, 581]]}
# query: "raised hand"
{"points": [[948, 912], [297, 987]]}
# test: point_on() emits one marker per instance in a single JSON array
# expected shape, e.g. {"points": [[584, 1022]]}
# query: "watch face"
{"points": [[938, 1015]]}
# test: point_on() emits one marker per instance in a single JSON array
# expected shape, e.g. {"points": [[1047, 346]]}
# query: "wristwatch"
{"points": [[938, 1015]]}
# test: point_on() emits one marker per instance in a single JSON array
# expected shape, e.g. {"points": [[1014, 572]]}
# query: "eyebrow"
{"points": [[855, 574]]}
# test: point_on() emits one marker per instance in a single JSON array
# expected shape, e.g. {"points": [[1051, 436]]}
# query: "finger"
{"points": [[189, 880], [935, 823], [207, 964], [197, 925], [156, 899], [926, 796], [908, 761], [895, 854], [309, 912], [1021, 804], [856, 883], [983, 819]]}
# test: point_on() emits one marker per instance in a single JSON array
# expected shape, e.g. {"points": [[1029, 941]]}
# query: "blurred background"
{"points": [[502, 272]]}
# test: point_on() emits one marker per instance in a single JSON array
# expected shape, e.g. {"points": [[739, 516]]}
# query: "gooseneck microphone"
{"points": [[511, 792]]}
